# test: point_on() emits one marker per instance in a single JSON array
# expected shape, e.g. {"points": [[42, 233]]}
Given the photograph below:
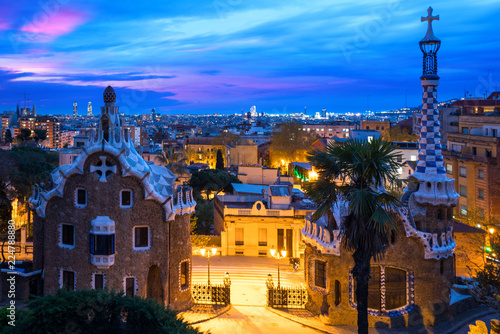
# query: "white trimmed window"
{"points": [[67, 236], [98, 281], [81, 197], [142, 238], [130, 286], [68, 280], [126, 199]]}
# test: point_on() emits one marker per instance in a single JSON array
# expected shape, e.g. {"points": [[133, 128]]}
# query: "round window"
{"points": [[259, 206]]}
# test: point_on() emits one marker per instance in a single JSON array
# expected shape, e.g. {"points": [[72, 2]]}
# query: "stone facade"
{"points": [[152, 257], [428, 283]]}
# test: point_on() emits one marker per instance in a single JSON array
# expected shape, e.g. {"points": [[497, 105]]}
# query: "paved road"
{"points": [[252, 320], [248, 294], [248, 276]]}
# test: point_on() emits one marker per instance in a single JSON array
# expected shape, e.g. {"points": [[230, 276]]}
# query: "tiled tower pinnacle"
{"points": [[438, 188], [430, 157]]}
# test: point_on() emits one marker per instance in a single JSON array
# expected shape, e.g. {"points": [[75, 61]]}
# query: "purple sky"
{"points": [[225, 55]]}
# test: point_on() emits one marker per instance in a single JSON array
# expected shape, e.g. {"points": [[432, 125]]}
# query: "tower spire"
{"points": [[435, 188]]}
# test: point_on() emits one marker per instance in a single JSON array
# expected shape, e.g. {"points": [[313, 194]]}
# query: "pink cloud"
{"points": [[4, 25], [45, 27]]}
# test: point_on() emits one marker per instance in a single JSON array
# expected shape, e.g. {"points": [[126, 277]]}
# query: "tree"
{"points": [[220, 161], [398, 134], [485, 286], [24, 135], [40, 135], [22, 168], [204, 215], [8, 136], [363, 167], [206, 182], [173, 161], [289, 144], [94, 311]]}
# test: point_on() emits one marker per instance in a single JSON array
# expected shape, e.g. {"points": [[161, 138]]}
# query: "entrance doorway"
{"points": [[154, 286]]}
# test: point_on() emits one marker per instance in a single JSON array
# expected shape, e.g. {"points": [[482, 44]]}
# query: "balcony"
{"points": [[469, 157]]}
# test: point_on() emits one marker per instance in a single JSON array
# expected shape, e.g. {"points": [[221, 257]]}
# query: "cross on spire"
{"points": [[429, 18], [103, 169]]}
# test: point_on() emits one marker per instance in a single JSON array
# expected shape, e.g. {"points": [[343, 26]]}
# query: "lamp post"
{"points": [[227, 280], [208, 254], [278, 255]]}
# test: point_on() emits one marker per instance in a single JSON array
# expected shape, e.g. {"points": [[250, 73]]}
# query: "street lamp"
{"points": [[269, 282], [491, 230], [278, 255], [227, 280], [208, 254]]}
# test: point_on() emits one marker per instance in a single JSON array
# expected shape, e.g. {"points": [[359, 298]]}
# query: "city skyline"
{"points": [[223, 56]]}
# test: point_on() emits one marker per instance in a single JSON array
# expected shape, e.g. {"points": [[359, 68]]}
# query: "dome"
{"points": [[109, 95]]}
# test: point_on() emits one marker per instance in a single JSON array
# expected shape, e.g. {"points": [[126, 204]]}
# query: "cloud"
{"points": [[46, 27]]}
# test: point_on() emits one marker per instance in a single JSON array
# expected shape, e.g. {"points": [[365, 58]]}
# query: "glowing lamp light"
{"points": [[202, 251], [273, 251], [487, 249], [492, 230], [313, 175], [478, 225]]}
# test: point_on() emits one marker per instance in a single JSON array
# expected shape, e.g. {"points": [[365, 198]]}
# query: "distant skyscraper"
{"points": [[305, 110], [34, 110], [75, 111], [153, 114], [323, 113], [89, 109], [17, 111]]}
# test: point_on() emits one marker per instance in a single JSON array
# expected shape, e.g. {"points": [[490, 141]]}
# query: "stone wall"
{"points": [[103, 199], [431, 288]]}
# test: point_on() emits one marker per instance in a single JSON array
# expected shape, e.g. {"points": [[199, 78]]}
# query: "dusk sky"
{"points": [[224, 55]]}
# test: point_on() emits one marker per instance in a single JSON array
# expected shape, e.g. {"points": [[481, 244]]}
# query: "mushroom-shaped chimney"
{"points": [[109, 95], [430, 45]]}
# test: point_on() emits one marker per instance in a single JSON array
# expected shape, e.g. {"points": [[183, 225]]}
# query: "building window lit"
{"points": [[463, 210], [463, 171], [413, 158], [480, 174], [449, 168]]}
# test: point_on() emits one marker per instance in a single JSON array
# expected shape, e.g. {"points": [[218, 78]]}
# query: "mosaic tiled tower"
{"points": [[435, 187]]}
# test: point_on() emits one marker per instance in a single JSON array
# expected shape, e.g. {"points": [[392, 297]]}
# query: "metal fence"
{"points": [[214, 294], [286, 297]]}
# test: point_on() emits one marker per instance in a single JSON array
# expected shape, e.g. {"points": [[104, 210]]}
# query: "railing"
{"points": [[286, 297], [214, 294]]}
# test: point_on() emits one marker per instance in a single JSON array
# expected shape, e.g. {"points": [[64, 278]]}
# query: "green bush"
{"points": [[95, 311]]}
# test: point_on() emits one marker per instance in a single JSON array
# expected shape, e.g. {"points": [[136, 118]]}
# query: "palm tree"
{"points": [[173, 161], [355, 171]]}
